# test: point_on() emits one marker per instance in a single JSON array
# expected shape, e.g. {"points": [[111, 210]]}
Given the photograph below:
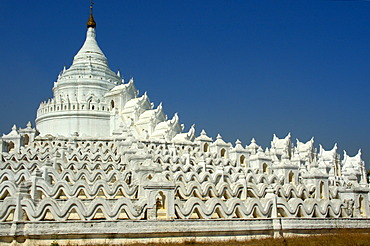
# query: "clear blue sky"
{"points": [[241, 68]]}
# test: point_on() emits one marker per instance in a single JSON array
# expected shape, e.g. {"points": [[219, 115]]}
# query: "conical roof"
{"points": [[90, 51]]}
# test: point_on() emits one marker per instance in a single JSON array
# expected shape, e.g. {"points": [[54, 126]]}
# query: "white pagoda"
{"points": [[102, 157]]}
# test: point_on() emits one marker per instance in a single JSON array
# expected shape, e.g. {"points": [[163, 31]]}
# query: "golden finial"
{"points": [[91, 22]]}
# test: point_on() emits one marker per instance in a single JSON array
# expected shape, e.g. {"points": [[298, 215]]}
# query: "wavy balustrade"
{"points": [[71, 179]]}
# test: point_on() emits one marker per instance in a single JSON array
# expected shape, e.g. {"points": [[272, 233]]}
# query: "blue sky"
{"points": [[241, 68]]}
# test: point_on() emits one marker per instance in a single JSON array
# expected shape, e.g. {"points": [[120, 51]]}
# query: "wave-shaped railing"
{"points": [[70, 179]]}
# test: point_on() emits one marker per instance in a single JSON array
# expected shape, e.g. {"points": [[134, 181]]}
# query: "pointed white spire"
{"points": [[238, 145], [90, 50]]}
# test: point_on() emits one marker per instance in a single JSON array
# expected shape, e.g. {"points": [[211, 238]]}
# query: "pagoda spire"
{"points": [[91, 22]]}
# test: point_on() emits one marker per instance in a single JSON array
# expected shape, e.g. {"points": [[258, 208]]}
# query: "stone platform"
{"points": [[128, 231]]}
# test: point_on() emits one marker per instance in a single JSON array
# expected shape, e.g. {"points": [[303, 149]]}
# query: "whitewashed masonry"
{"points": [[101, 151]]}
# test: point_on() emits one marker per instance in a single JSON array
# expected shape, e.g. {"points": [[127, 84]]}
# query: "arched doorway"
{"points": [[26, 140], [322, 190], [242, 160], [10, 146], [160, 201], [205, 147], [361, 206], [223, 153], [291, 177], [89, 103], [265, 169]]}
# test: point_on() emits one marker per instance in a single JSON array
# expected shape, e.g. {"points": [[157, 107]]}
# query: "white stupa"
{"points": [[92, 101], [80, 102]]}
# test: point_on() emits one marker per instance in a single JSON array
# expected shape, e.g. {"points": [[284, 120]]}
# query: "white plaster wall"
{"points": [[89, 123]]}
